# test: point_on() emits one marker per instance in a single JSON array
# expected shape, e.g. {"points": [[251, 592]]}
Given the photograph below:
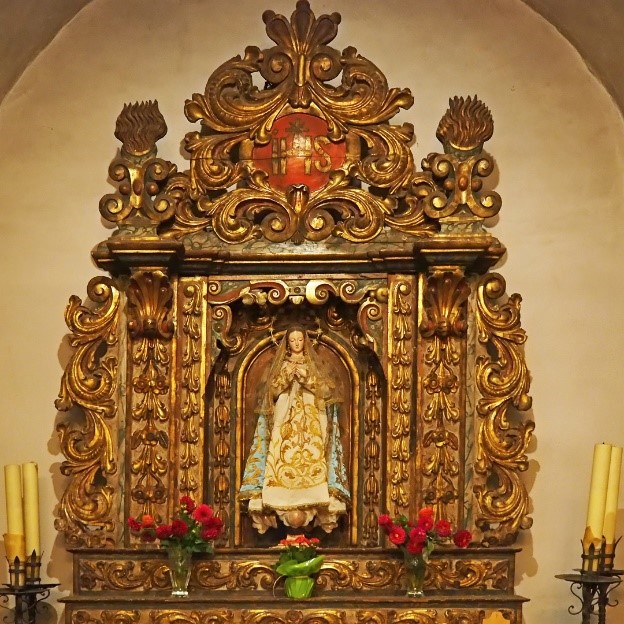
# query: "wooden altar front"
{"points": [[302, 205]]}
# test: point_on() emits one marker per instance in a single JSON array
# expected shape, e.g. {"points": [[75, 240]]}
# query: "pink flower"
{"points": [[397, 535], [187, 504], [203, 513], [414, 548], [179, 528], [443, 528], [462, 538]]}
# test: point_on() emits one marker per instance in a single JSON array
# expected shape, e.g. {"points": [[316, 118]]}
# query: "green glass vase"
{"points": [[179, 569], [415, 572]]}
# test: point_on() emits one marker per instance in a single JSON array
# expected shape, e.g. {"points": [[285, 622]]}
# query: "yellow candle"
{"points": [[31, 507], [598, 489], [613, 492], [13, 496]]}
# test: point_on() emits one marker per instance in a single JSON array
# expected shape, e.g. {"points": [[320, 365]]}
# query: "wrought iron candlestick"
{"points": [[26, 588], [596, 579]]}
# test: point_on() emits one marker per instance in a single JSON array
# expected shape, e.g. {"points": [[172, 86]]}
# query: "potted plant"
{"points": [[299, 563]]}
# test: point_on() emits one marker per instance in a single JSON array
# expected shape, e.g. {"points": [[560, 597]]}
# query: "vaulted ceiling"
{"points": [[595, 29]]}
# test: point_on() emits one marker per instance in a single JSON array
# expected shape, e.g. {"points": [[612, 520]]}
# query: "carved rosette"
{"points": [[85, 514], [443, 330], [192, 307], [503, 382], [150, 327], [400, 382]]}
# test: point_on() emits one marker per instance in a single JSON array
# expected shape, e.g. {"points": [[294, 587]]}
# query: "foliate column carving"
{"points": [[443, 328], [503, 382], [150, 327], [400, 380], [372, 459], [221, 449], [192, 384], [85, 514]]}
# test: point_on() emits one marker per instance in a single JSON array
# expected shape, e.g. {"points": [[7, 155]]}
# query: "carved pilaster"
{"points": [[443, 328], [150, 328]]}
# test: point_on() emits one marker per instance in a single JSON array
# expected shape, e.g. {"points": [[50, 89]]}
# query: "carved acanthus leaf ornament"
{"points": [[503, 381], [90, 381]]}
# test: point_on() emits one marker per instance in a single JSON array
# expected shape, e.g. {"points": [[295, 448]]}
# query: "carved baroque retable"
{"points": [[302, 202]]}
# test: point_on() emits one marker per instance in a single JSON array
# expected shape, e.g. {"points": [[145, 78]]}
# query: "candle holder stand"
{"points": [[593, 583], [26, 588]]}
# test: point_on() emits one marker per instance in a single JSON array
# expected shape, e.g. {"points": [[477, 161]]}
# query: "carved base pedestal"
{"points": [[473, 586]]}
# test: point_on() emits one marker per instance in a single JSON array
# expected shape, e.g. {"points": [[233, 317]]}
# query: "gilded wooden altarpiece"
{"points": [[302, 202]]}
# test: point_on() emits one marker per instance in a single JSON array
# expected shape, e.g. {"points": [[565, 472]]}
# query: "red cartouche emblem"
{"points": [[299, 152]]}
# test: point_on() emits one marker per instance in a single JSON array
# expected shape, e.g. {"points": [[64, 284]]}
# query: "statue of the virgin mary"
{"points": [[295, 470]]}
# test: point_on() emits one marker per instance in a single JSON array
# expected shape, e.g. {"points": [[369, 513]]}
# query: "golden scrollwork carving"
{"points": [[106, 617], [503, 381], [468, 573], [141, 176], [193, 349], [443, 325], [90, 382], [293, 616], [123, 575], [208, 616], [401, 329], [150, 326], [463, 130]]}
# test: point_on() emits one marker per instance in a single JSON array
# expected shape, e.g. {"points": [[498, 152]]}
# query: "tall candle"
{"points": [[31, 507], [13, 496], [598, 489], [613, 492]]}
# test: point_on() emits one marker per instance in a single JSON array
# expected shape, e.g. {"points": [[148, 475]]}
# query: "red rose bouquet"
{"points": [[194, 528], [421, 537]]}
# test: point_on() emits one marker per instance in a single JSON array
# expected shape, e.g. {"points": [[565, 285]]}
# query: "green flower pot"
{"points": [[299, 587]]}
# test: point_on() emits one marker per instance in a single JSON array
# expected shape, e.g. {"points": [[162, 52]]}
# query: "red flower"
{"points": [[462, 538], [443, 528], [385, 521], [179, 528], [164, 531], [397, 535], [147, 521], [425, 523], [203, 513], [150, 536], [425, 512], [418, 535], [134, 524], [214, 523], [414, 548], [210, 533], [187, 504]]}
